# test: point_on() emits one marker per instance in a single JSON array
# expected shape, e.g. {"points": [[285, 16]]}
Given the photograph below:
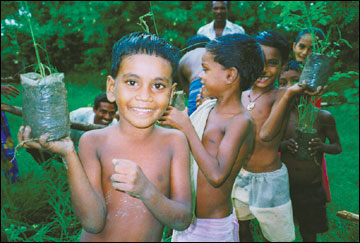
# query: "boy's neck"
{"points": [[127, 129], [229, 102], [255, 89]]}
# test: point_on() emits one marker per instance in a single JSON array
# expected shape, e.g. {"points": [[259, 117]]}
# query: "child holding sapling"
{"points": [[131, 179], [307, 192]]}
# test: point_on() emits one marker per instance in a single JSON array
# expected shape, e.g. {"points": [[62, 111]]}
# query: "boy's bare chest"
{"points": [[154, 161], [214, 131]]}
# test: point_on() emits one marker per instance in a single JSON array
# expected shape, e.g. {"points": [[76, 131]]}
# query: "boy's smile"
{"points": [[272, 67], [142, 89]]}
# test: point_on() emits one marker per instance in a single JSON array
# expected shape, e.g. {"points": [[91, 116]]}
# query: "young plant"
{"points": [[307, 113]]}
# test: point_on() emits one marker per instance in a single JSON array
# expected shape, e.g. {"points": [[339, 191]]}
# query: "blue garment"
{"points": [[194, 90], [8, 161]]}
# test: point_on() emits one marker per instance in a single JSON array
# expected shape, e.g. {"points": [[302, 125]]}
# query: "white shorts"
{"points": [[210, 230], [266, 197]]}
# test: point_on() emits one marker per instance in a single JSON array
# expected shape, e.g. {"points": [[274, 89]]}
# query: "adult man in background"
{"points": [[103, 113], [220, 25]]}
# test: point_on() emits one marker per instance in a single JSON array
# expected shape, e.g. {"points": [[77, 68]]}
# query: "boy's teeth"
{"points": [[142, 110]]}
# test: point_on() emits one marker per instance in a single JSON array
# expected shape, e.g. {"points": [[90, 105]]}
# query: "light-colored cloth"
{"points": [[230, 28], [210, 230], [266, 197], [198, 120], [85, 114]]}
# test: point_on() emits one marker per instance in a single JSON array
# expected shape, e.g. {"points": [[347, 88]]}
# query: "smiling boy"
{"points": [[220, 134], [133, 178], [261, 189]]}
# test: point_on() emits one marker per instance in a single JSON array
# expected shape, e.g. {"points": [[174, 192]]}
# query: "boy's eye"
{"points": [[273, 63], [131, 82], [301, 46], [159, 86]]}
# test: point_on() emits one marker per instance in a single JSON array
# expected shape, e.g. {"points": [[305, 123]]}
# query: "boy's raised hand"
{"points": [[300, 88], [175, 118], [7, 90], [62, 146], [128, 177]]}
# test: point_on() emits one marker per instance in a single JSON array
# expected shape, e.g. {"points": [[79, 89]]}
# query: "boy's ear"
{"points": [[110, 87], [294, 44], [232, 74]]}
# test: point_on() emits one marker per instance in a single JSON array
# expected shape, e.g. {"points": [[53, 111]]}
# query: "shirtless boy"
{"points": [[307, 193], [133, 178], [261, 189], [220, 134], [190, 68]]}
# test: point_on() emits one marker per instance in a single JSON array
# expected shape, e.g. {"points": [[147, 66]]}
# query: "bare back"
{"points": [[128, 219], [265, 156], [190, 66], [216, 202]]}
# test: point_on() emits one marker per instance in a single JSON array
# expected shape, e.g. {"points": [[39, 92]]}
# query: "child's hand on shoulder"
{"points": [[62, 146], [316, 146], [175, 118], [128, 177]]}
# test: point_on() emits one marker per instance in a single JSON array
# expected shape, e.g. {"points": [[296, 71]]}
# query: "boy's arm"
{"points": [[327, 121], [280, 110], [217, 168], [86, 193], [174, 212]]}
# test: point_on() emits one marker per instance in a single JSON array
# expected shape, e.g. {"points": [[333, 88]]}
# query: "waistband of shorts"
{"points": [[277, 172], [220, 220]]}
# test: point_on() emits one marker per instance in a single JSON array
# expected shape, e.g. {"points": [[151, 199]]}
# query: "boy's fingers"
{"points": [[43, 140]]}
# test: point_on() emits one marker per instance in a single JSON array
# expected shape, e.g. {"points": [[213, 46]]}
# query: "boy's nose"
{"points": [[144, 95]]}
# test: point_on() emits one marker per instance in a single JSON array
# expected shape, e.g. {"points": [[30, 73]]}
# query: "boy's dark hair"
{"points": [[240, 51], [293, 65], [318, 32], [102, 98], [196, 41], [276, 40], [143, 43]]}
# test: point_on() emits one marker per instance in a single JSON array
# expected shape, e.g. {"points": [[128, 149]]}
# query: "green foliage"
{"points": [[38, 207]]}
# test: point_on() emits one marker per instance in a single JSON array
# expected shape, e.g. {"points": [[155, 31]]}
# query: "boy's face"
{"points": [[289, 78], [212, 76], [303, 48], [104, 114], [142, 89], [272, 67]]}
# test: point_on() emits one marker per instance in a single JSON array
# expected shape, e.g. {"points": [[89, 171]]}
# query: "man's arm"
{"points": [[327, 121], [174, 212], [217, 168]]}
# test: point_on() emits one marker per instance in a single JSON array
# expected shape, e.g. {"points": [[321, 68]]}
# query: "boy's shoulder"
{"points": [[325, 116], [169, 133], [98, 135]]}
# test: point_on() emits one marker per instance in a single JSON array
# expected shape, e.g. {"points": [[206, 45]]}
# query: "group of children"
{"points": [[130, 180]]}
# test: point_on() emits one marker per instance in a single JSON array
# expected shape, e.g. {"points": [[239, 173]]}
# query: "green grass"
{"points": [[38, 207]]}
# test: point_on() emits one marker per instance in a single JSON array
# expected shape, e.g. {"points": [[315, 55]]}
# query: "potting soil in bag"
{"points": [[303, 138], [317, 70], [45, 107]]}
